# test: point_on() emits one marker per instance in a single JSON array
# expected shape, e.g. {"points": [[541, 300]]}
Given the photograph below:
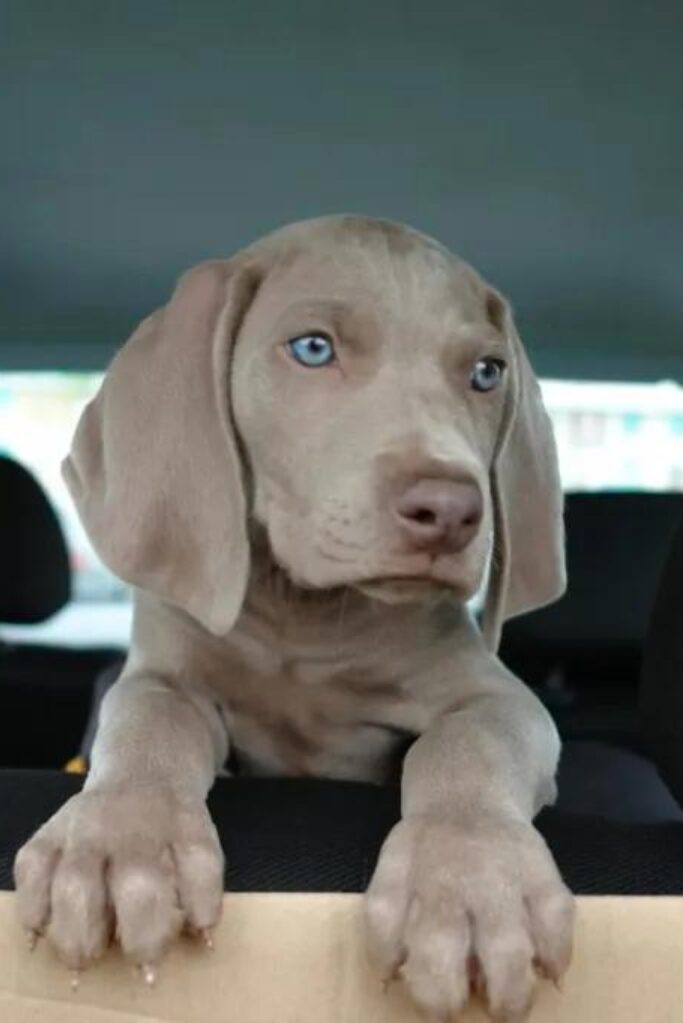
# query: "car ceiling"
{"points": [[542, 141]]}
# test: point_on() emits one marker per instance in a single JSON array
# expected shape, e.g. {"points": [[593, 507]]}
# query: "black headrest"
{"points": [[617, 544], [662, 678], [35, 577]]}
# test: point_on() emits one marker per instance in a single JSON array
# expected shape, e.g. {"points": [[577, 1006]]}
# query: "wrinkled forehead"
{"points": [[386, 275]]}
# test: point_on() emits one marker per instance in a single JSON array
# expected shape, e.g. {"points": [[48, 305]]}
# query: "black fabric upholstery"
{"points": [[45, 691], [302, 836], [662, 683], [616, 784], [35, 578], [583, 654], [45, 700], [617, 545]]}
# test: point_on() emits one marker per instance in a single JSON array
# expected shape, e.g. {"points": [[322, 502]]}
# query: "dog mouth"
{"points": [[399, 589]]}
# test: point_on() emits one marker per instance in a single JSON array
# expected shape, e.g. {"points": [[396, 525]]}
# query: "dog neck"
{"points": [[340, 617]]}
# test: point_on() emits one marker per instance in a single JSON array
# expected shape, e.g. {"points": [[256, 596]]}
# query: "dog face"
{"points": [[368, 387], [355, 390]]}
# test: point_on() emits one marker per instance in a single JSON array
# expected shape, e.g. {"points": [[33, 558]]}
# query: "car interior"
{"points": [[139, 144]]}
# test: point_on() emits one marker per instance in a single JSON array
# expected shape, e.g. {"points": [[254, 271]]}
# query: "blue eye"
{"points": [[312, 350], [487, 374]]}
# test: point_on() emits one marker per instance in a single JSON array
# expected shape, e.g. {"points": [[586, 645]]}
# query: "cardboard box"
{"points": [[300, 959]]}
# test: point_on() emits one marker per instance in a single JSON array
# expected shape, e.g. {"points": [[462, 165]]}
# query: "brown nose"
{"points": [[439, 515]]}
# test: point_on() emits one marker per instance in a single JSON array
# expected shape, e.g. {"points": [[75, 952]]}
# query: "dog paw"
{"points": [[136, 865], [455, 909]]}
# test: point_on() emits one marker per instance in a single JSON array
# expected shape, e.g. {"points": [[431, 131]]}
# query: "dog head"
{"points": [[359, 394]]}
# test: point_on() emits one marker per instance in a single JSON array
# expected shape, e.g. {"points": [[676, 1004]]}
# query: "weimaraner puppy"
{"points": [[306, 464]]}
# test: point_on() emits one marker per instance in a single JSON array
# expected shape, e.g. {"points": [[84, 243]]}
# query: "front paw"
{"points": [[454, 908], [137, 864]]}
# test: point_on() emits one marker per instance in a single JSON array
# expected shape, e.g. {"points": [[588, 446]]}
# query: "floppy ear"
{"points": [[528, 562], [154, 468]]}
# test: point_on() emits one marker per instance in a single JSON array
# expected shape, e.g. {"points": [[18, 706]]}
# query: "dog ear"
{"points": [[528, 560], [154, 468]]}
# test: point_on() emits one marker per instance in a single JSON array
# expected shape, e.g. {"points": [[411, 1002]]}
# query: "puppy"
{"points": [[306, 465]]}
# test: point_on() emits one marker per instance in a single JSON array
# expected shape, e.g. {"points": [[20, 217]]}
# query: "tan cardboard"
{"points": [[300, 959]]}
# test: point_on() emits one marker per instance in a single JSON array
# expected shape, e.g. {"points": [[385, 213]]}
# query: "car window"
{"points": [[617, 436]]}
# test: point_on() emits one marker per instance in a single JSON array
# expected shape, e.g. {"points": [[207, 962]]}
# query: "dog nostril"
{"points": [[425, 516]]}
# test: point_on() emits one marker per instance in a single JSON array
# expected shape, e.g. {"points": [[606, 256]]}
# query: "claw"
{"points": [[547, 972], [476, 977], [390, 978], [203, 934], [149, 974], [395, 973], [75, 979], [32, 938]]}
